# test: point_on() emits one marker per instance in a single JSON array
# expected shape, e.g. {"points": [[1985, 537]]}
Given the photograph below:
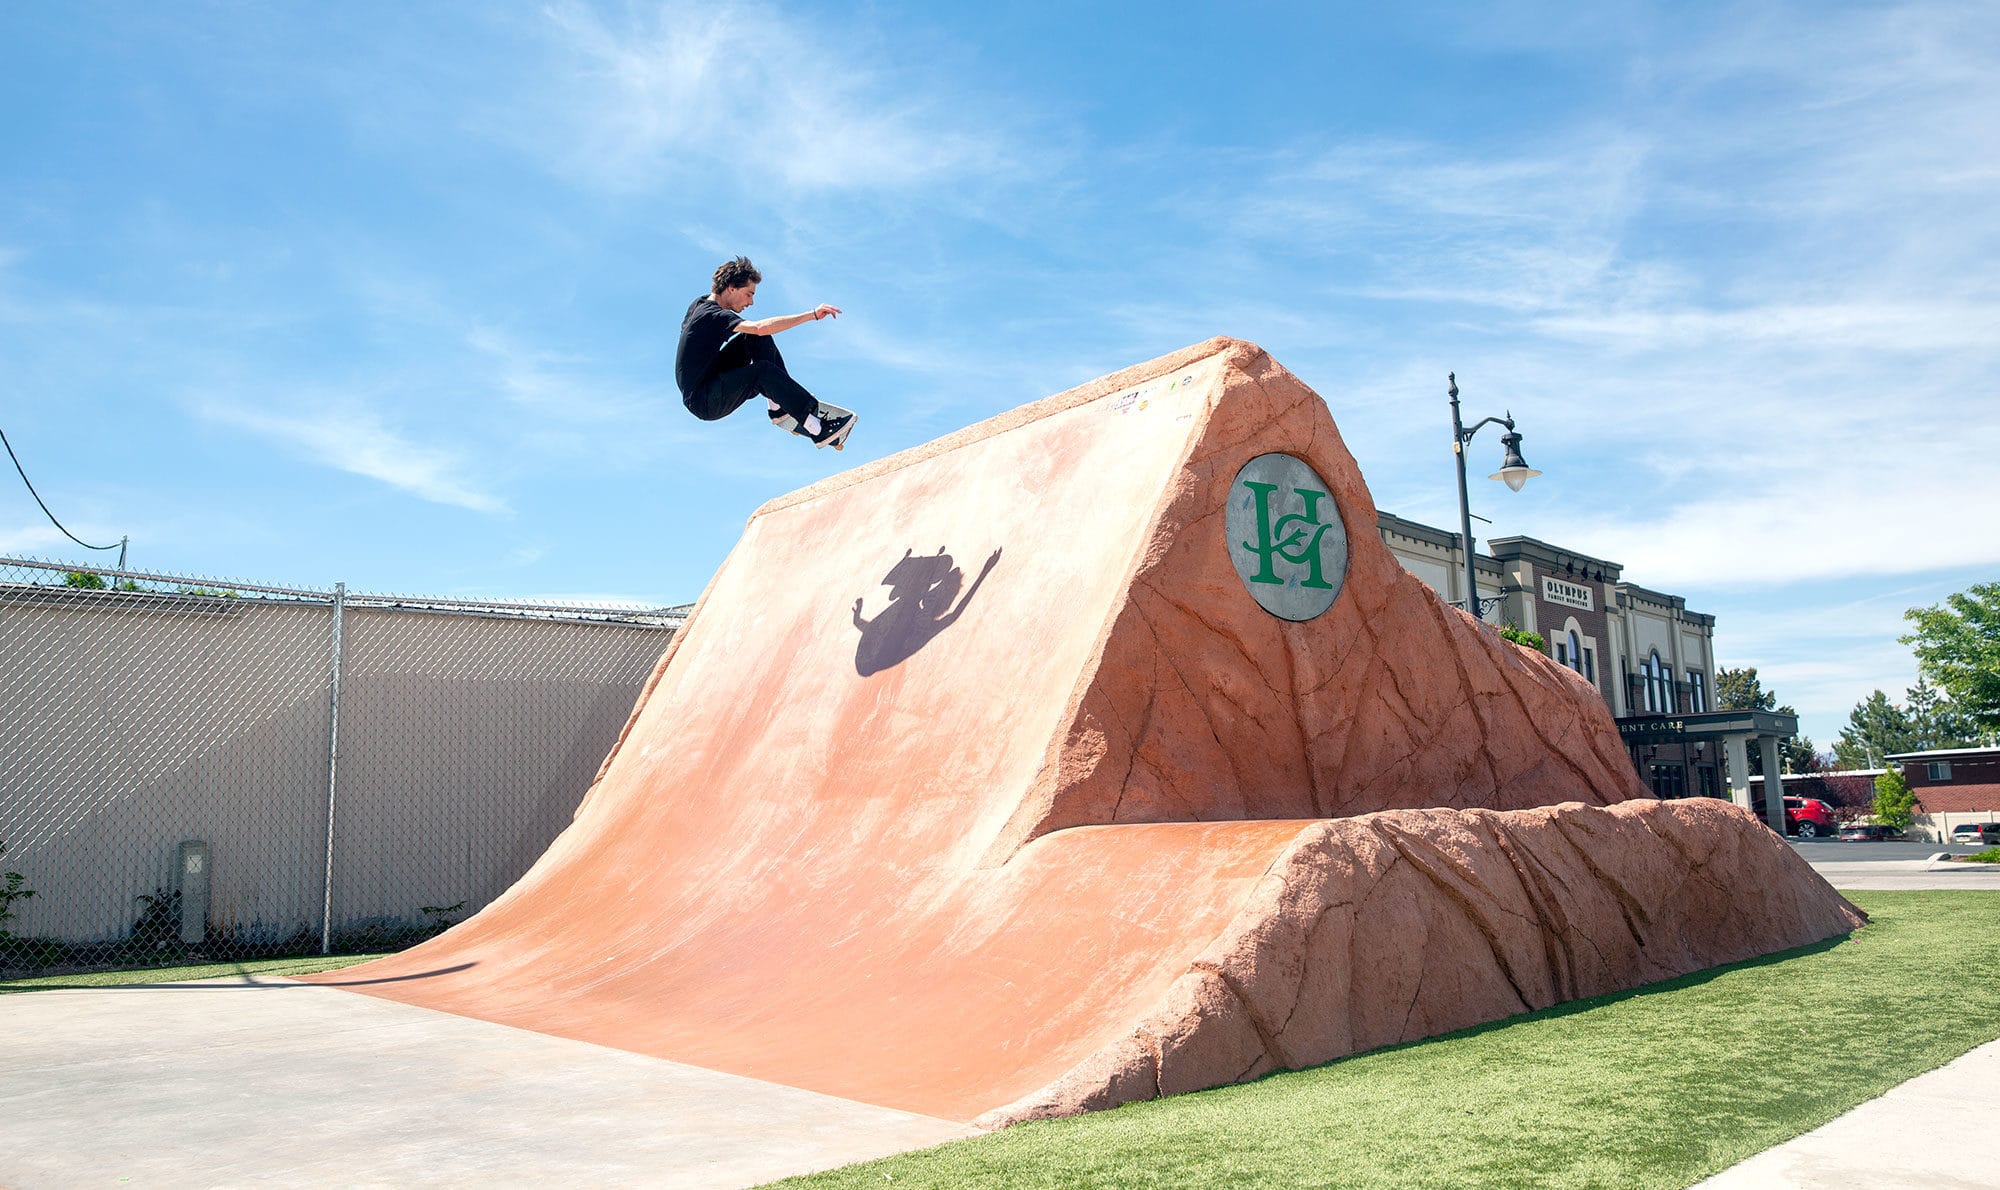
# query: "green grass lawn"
{"points": [[1658, 1087], [116, 979]]}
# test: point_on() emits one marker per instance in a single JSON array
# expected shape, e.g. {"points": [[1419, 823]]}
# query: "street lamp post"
{"points": [[1513, 472]]}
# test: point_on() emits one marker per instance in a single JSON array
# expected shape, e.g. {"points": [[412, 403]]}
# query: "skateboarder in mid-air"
{"points": [[724, 360]]}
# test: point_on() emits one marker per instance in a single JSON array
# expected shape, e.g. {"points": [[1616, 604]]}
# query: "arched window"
{"points": [[1575, 651], [1656, 701]]}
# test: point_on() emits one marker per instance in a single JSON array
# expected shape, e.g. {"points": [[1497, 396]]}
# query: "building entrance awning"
{"points": [[1710, 725], [1735, 729]]}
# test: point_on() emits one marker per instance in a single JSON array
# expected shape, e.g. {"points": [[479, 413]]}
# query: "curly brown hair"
{"points": [[733, 274]]}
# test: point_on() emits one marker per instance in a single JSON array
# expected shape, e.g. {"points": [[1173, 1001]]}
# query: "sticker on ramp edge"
{"points": [[1134, 400], [1286, 537]]}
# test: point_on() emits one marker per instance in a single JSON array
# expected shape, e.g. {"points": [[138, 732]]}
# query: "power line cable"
{"points": [[45, 508]]}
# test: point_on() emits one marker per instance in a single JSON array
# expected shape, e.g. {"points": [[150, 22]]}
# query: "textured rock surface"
{"points": [[1017, 797], [1405, 924], [1391, 699]]}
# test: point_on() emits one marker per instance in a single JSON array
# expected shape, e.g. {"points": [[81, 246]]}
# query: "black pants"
{"points": [[749, 366]]}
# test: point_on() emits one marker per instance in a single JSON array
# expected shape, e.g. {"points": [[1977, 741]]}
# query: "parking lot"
{"points": [[1832, 851], [1896, 864]]}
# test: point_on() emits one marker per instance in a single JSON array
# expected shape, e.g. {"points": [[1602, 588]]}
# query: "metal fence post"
{"points": [[332, 766]]}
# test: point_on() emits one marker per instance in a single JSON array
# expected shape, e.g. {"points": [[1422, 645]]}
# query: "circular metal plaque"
{"points": [[1286, 536]]}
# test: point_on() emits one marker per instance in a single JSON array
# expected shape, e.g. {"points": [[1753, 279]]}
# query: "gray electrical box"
{"points": [[194, 891]]}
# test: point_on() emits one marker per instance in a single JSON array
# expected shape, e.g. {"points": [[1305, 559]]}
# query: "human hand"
{"points": [[825, 311]]}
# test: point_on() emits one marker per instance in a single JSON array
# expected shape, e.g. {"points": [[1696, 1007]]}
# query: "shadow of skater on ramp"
{"points": [[921, 591]]}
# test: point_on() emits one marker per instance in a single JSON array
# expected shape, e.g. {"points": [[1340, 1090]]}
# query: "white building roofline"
{"points": [[1985, 751]]}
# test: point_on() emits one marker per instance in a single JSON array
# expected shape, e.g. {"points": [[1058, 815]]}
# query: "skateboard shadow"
{"points": [[922, 590]]}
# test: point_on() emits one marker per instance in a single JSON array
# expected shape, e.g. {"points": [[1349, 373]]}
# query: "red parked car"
{"points": [[1806, 817]]}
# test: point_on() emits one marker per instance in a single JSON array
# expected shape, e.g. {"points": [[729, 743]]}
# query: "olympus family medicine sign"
{"points": [[1568, 594], [1286, 537]]}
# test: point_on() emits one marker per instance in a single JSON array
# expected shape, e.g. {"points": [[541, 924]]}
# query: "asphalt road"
{"points": [[1832, 851], [1895, 865]]}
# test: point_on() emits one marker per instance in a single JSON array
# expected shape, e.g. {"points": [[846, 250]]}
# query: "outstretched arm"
{"points": [[785, 322], [952, 617]]}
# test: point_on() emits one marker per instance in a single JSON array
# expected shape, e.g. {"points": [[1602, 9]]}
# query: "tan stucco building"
{"points": [[1651, 658]]}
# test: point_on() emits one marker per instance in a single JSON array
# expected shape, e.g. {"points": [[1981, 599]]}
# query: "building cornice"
{"points": [[1534, 549], [1389, 522]]}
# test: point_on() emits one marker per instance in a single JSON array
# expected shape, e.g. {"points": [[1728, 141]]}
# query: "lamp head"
{"points": [[1514, 470]]}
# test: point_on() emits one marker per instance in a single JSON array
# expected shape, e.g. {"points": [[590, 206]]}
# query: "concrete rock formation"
{"points": [[1402, 925], [979, 785]]}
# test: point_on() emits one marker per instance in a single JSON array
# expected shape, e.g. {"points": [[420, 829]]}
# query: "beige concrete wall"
{"points": [[466, 744], [130, 722]]}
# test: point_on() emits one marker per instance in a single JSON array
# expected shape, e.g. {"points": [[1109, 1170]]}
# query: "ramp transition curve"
{"points": [[979, 785]]}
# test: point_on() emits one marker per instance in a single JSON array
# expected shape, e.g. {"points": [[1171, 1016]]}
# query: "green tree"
{"points": [[83, 579], [1875, 728], [1895, 805], [1936, 720], [1740, 690], [1743, 690], [1800, 755], [1958, 647]]}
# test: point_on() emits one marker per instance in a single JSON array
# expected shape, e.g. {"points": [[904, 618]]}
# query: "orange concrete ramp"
{"points": [[979, 770]]}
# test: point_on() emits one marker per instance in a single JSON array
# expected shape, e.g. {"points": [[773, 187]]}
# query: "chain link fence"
{"points": [[194, 769]]}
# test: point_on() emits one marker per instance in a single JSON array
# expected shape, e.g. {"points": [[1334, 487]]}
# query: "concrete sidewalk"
{"points": [[235, 1083], [1934, 1132]]}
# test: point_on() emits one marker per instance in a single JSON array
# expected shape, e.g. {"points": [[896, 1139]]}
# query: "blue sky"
{"points": [[388, 293]]}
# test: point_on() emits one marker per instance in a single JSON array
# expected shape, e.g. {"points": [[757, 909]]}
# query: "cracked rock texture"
{"points": [[1404, 924], [1203, 707]]}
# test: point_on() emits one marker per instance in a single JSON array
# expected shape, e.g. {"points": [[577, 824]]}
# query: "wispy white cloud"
{"points": [[1813, 529], [1900, 327], [550, 383], [357, 442], [31, 540], [749, 92], [1826, 682]]}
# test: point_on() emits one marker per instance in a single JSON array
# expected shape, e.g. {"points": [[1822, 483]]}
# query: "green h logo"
{"points": [[1282, 527], [1287, 538]]}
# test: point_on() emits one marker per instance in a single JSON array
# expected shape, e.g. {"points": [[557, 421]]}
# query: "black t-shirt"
{"points": [[704, 330]]}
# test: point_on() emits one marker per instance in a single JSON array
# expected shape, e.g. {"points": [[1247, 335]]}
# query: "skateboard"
{"points": [[789, 424]]}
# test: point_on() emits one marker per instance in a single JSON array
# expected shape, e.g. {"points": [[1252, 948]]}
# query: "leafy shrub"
{"points": [[10, 892], [439, 918], [1895, 805], [159, 918], [1524, 638]]}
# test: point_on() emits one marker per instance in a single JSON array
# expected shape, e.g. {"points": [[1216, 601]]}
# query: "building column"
{"points": [[1735, 751], [1774, 783], [1679, 662]]}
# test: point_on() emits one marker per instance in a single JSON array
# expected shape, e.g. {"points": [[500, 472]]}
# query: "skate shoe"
{"points": [[831, 427]]}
